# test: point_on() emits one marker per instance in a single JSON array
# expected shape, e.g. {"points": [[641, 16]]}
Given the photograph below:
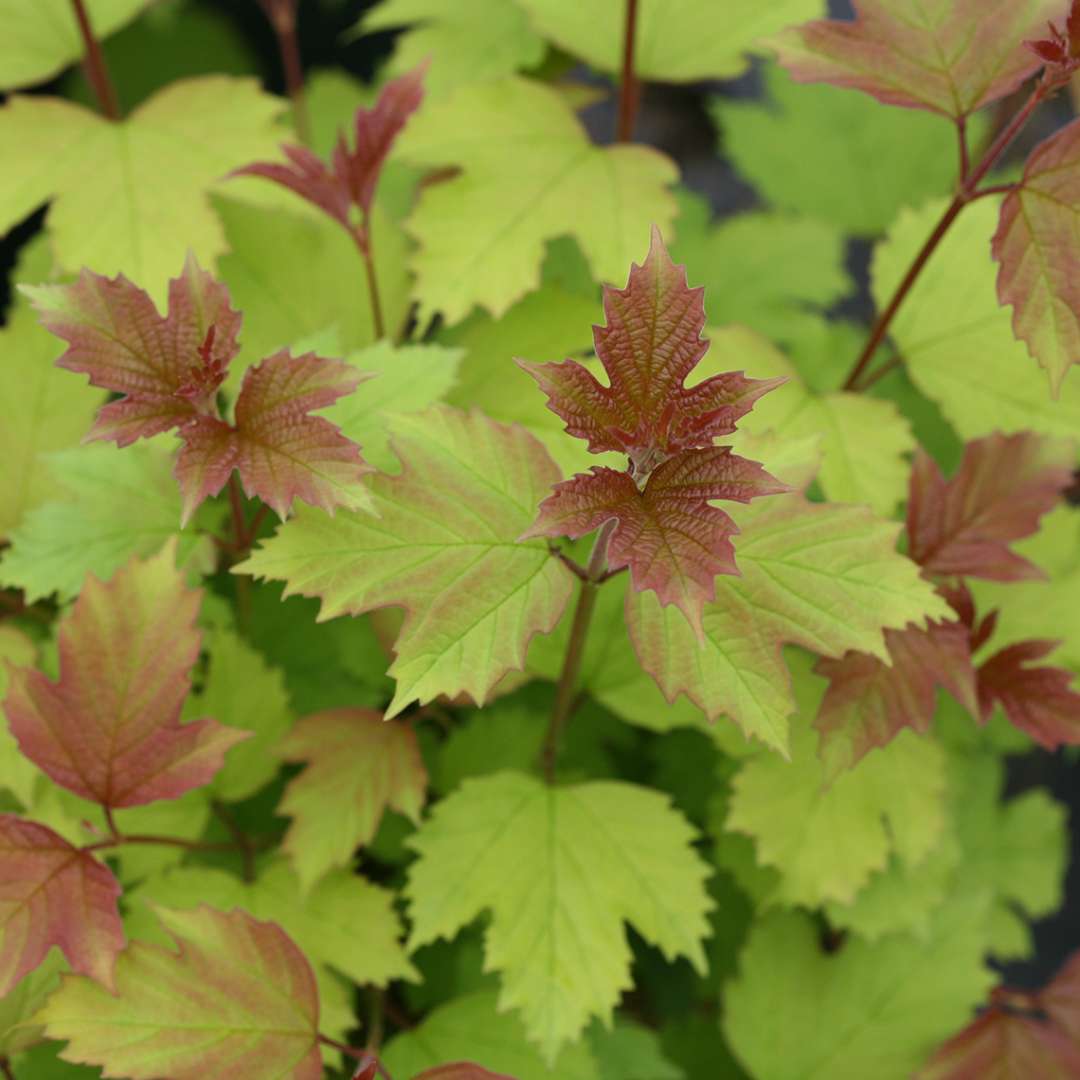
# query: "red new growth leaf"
{"points": [[1061, 999], [950, 58], [349, 181], [669, 536], [110, 729], [281, 452], [167, 368], [868, 703], [649, 345], [53, 894], [460, 1070], [1005, 483], [1060, 50], [370, 1071], [1037, 700]]}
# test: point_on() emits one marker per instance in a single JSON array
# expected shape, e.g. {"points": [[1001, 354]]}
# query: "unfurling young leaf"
{"points": [[237, 997], [170, 368], [53, 894], [109, 729], [666, 532]]}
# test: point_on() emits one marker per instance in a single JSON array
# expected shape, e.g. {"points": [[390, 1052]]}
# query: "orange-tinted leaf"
{"points": [[947, 56], [110, 729], [281, 452], [460, 1070], [358, 764], [168, 368], [53, 894], [1038, 247], [649, 345], [867, 703], [1037, 700], [669, 536], [237, 1000], [1005, 483]]}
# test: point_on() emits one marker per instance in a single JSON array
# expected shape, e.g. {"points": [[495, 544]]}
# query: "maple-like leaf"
{"points": [[109, 728], [601, 854], [168, 368], [1005, 483], [1038, 700], [1036, 246], [674, 542], [1061, 999], [460, 1070], [281, 452], [349, 181], [357, 765], [869, 702], [949, 57], [53, 894], [445, 547], [236, 998]]}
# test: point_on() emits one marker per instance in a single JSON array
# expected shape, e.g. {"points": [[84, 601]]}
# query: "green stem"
{"points": [[629, 87], [565, 691], [97, 71]]}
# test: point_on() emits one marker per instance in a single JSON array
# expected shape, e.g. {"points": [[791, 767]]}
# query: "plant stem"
{"points": [[889, 366], [967, 192], [119, 840], [282, 16], [236, 503], [629, 88], [575, 648], [362, 1056], [97, 70], [363, 242]]}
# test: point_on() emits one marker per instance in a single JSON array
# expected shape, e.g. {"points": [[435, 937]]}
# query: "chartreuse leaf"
{"points": [[175, 146], [357, 765], [601, 854], [867, 1010], [116, 506], [235, 993], [54, 894], [444, 547], [109, 728], [20, 1004], [528, 174], [242, 691], [952, 316], [44, 410], [677, 41], [919, 55], [860, 586], [859, 162], [470, 41], [826, 841], [42, 38]]}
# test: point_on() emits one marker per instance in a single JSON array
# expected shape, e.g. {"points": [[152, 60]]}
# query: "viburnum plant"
{"points": [[427, 656]]}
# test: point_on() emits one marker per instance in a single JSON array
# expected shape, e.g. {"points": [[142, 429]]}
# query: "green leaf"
{"points": [[447, 551], [242, 691], [41, 38], [869, 1010], [410, 378], [630, 1052], [956, 341], [22, 1002], [466, 42], [45, 409], [677, 41], [528, 173], [859, 161], [601, 853], [826, 841], [118, 505], [142, 183], [860, 585]]}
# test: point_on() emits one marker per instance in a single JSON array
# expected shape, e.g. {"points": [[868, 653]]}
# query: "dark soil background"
{"points": [[674, 119]]}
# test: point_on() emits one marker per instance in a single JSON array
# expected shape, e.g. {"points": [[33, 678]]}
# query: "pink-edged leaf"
{"points": [[868, 703], [1037, 700], [167, 367], [53, 894], [110, 729], [460, 1070], [350, 179], [1037, 245], [948, 57], [649, 345], [1003, 1045], [669, 536], [1005, 483], [1061, 999], [281, 451]]}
